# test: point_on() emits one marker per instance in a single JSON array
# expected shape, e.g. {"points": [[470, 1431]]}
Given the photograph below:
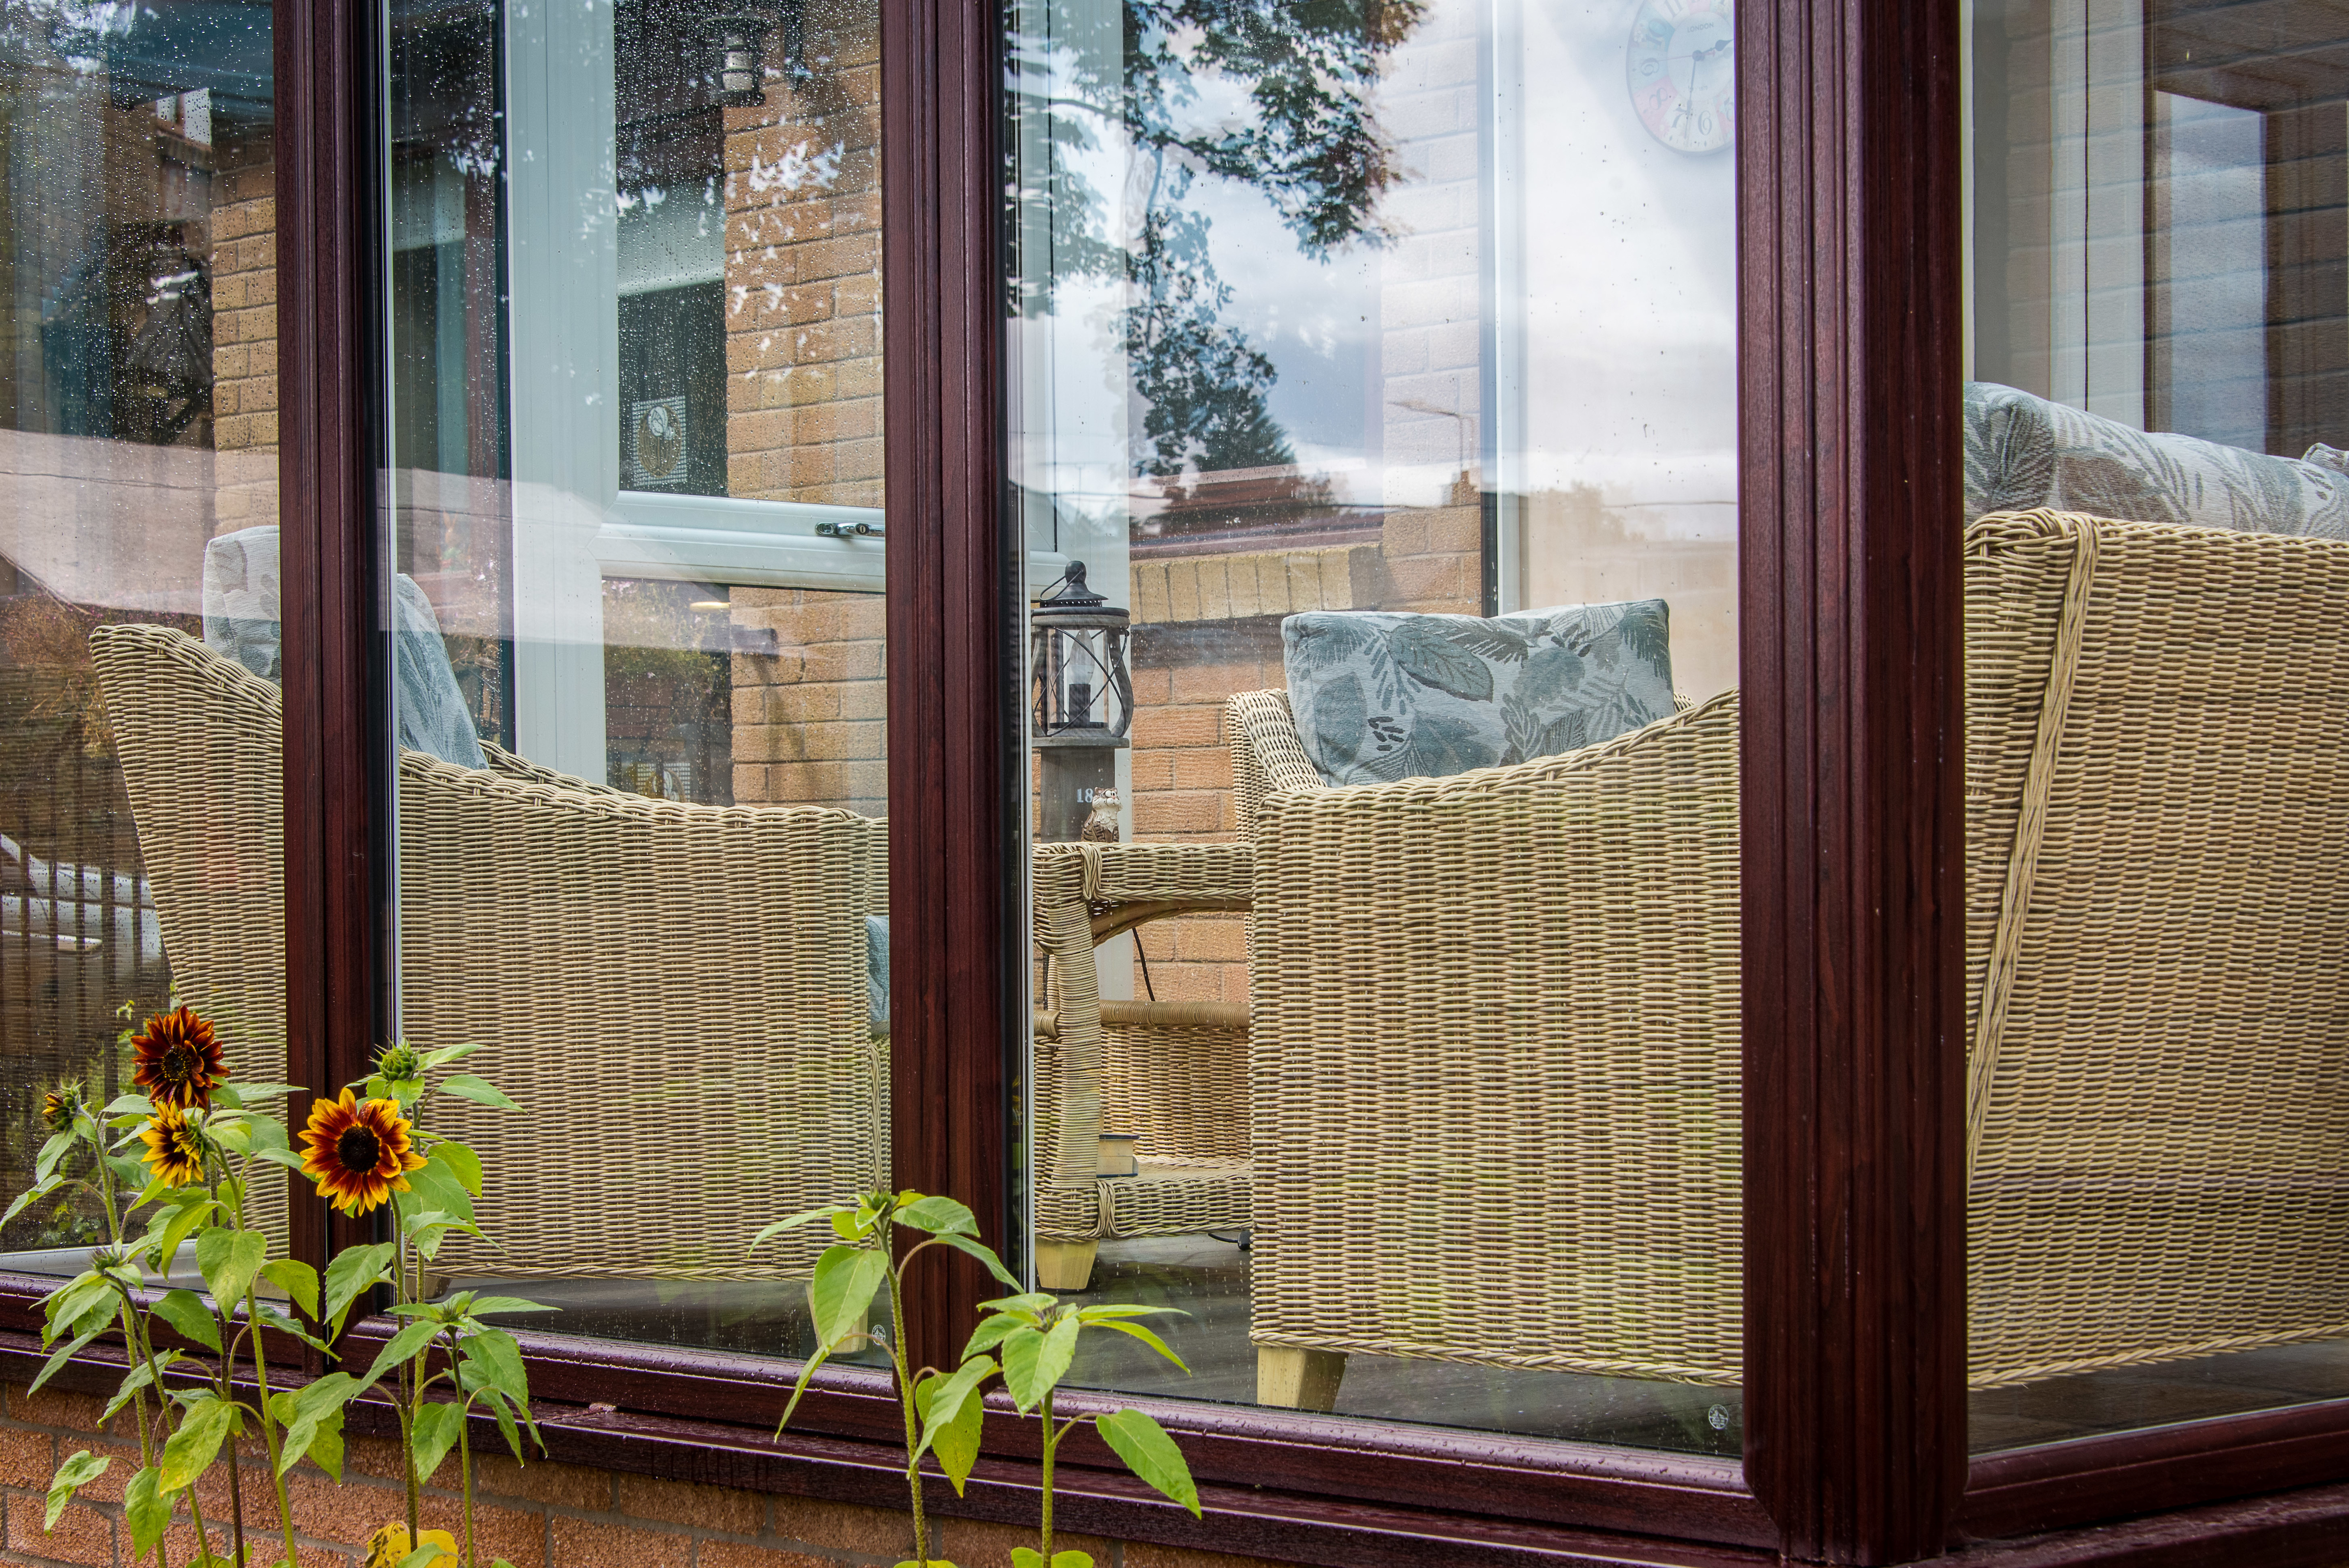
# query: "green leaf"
{"points": [[285, 1157], [129, 1105], [1020, 1348], [448, 1054], [137, 1377], [780, 1226], [148, 1507], [72, 1476], [841, 1293], [488, 1304], [462, 1163], [188, 1313], [270, 1317], [465, 1086], [984, 1254], [952, 1411], [1034, 1363], [31, 1196], [1150, 1454], [990, 1332], [1143, 1335], [353, 1271], [175, 1230], [65, 1308], [504, 1414], [268, 1091], [299, 1282], [497, 1357], [65, 1353], [202, 1428], [46, 1160], [938, 1216], [268, 1133], [434, 1434], [1033, 1301], [326, 1447], [436, 1186], [402, 1347], [800, 1388], [1026, 1557], [229, 1260], [318, 1407]]}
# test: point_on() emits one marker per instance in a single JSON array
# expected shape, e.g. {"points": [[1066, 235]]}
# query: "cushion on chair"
{"points": [[241, 622], [2023, 451], [1380, 696]]}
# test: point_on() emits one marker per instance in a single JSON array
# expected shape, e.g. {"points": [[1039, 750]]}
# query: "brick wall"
{"points": [[541, 1515], [803, 406], [244, 334]]}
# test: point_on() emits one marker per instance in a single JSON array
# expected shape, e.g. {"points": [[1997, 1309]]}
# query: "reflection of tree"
{"points": [[1307, 141]]}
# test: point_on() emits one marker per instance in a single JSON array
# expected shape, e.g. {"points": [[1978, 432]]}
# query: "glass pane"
{"points": [[2158, 697], [1378, 363], [141, 837], [635, 605]]}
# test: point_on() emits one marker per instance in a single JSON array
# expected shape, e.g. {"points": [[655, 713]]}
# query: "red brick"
{"points": [[1178, 811], [592, 1543], [83, 1534], [1206, 768], [969, 1540], [515, 1534], [542, 1482], [1141, 1554], [734, 1554], [28, 1458], [843, 1527], [1177, 727], [56, 1407], [681, 1503]]}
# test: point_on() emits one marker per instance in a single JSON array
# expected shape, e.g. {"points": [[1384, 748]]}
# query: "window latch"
{"points": [[848, 530]]}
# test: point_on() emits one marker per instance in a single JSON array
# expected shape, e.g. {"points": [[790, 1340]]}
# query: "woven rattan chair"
{"points": [[675, 993], [1495, 1065], [1170, 1074]]}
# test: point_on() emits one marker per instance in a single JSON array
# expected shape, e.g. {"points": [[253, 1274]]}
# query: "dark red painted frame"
{"points": [[1855, 1214]]}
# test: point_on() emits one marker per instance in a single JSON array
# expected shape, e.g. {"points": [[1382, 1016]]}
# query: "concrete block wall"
{"points": [[541, 1515]]}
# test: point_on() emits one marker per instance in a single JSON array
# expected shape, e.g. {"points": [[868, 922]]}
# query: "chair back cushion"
{"points": [[241, 622], [1380, 696], [2023, 451]]}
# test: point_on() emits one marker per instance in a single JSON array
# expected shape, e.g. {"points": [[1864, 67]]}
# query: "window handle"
{"points": [[848, 530]]}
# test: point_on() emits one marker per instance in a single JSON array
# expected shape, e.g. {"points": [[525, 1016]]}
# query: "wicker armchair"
{"points": [[676, 993], [1170, 1074], [1495, 1065]]}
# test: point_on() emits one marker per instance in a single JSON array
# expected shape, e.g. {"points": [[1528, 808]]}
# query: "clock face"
{"points": [[1681, 69]]}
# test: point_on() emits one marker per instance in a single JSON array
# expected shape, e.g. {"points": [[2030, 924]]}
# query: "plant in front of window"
{"points": [[363, 1154], [202, 1143], [1036, 1332]]}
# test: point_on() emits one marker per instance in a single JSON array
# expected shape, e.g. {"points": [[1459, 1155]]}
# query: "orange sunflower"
{"points": [[174, 1147], [359, 1152], [179, 1060], [60, 1105]]}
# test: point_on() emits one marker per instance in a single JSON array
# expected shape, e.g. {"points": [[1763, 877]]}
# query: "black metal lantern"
{"points": [[1076, 667], [734, 33], [1082, 699]]}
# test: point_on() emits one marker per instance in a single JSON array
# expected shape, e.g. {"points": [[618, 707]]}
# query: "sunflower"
{"points": [[174, 1147], [179, 1060], [359, 1152], [59, 1105]]}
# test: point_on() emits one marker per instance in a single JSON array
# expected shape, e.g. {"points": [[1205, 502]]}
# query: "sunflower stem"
{"points": [[465, 1474], [905, 1392], [1052, 1444]]}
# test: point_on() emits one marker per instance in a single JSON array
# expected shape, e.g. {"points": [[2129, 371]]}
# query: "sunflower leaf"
{"points": [[63, 1353], [298, 1280], [488, 1304], [402, 1347], [1022, 1347], [270, 1317], [439, 1187], [841, 1291], [285, 1157], [1142, 1334], [176, 1230], [269, 1091], [193, 1448], [353, 1271], [148, 1509], [186, 1311], [229, 1260], [465, 1086], [448, 1054], [31, 1196], [462, 1163], [139, 1377], [800, 1388], [1033, 1301], [939, 1216], [780, 1226], [496, 1356], [1150, 1454], [506, 1429], [432, 1435], [129, 1105], [984, 1254], [72, 1476], [51, 1152], [990, 1334]]}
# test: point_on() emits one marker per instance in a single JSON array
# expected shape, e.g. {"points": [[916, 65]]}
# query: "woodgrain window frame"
{"points": [[1849, 498]]}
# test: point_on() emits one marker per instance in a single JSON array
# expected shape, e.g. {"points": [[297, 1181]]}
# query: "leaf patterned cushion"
{"points": [[1379, 695], [2023, 451]]}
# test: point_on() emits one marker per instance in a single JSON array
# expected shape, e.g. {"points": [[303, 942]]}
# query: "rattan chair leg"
{"points": [[1064, 1265], [1298, 1379]]}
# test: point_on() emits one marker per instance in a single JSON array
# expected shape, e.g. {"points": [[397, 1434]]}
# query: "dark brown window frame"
{"points": [[1849, 486]]}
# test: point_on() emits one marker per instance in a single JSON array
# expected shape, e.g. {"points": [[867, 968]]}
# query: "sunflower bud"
{"points": [[60, 1105], [400, 1062]]}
